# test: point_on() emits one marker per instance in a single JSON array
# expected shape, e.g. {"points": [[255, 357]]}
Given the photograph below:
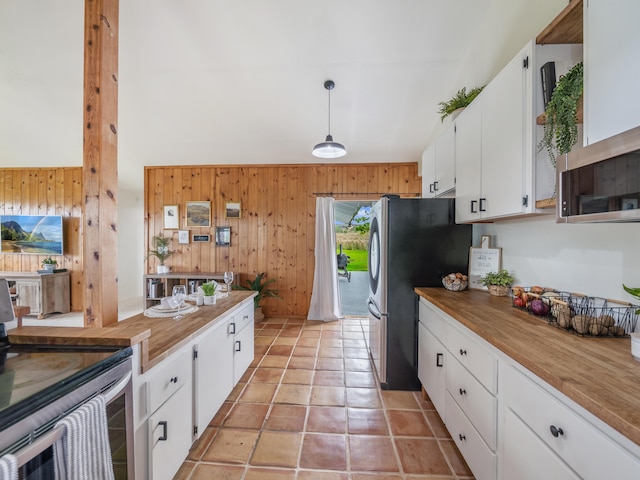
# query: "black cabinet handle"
{"points": [[435, 186], [232, 328], [463, 352], [462, 391], [163, 424], [555, 431], [473, 206], [439, 357], [238, 346], [173, 380], [462, 437], [431, 188], [482, 202]]}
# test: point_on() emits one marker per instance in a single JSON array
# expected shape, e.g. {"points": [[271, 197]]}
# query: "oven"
{"points": [[39, 385]]}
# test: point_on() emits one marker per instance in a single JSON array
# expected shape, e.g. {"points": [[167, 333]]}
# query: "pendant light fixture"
{"points": [[329, 148]]}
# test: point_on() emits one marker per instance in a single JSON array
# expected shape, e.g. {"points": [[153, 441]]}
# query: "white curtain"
{"points": [[325, 297]]}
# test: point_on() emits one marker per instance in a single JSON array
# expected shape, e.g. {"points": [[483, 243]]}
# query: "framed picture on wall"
{"points": [[223, 236], [198, 214], [205, 237], [183, 236], [171, 217], [232, 210]]}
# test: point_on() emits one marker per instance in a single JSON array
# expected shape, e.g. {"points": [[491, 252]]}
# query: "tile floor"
{"points": [[309, 408]]}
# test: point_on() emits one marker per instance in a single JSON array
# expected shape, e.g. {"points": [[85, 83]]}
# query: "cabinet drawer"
{"points": [[476, 358], [167, 379], [243, 318], [475, 401], [586, 449], [432, 320], [477, 454]]}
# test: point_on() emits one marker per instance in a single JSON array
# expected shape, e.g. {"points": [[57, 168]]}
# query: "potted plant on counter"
{"points": [[161, 252], [459, 101], [49, 264], [498, 283], [209, 292], [260, 286]]}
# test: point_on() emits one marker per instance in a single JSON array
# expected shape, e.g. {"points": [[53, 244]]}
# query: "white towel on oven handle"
{"points": [[83, 452], [8, 467]]}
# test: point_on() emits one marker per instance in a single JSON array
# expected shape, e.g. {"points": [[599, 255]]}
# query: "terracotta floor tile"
{"points": [[331, 342], [455, 458], [281, 340], [424, 401], [329, 378], [399, 399], [267, 375], [246, 376], [357, 365], [307, 342], [311, 332], [325, 452], [329, 396], [437, 426], [422, 455], [298, 376], [269, 331], [305, 351], [258, 393], [185, 470], [280, 350], [293, 394], [263, 340], [330, 352], [260, 349], [286, 418], [327, 420], [324, 363], [269, 474], [277, 449], [367, 421], [408, 423], [360, 379], [247, 415], [221, 414], [372, 454], [363, 397], [369, 476], [354, 343], [205, 471], [290, 333], [302, 362], [256, 361], [202, 444], [231, 445], [320, 475]]}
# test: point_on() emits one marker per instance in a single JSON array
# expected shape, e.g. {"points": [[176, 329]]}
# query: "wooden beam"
{"points": [[100, 162]]}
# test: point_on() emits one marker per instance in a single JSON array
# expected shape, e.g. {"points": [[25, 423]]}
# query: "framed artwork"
{"points": [[171, 217], [198, 214], [183, 236], [223, 236], [232, 210], [629, 203], [483, 260], [201, 238]]}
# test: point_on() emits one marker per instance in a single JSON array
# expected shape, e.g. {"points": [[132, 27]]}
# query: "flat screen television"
{"points": [[34, 234]]}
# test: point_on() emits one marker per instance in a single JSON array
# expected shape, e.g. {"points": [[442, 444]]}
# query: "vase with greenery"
{"points": [[49, 263], [259, 284], [560, 123], [498, 283], [161, 251], [209, 292], [460, 100]]}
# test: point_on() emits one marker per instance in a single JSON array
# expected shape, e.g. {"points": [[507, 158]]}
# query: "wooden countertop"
{"points": [[159, 337], [597, 373]]}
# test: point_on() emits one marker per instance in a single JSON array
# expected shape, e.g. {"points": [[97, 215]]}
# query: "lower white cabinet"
{"points": [[243, 324], [431, 358]]}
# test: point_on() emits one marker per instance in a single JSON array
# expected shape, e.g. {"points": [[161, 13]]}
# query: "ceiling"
{"points": [[236, 81]]}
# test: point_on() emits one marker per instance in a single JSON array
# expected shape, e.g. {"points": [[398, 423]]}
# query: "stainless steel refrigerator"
{"points": [[412, 243]]}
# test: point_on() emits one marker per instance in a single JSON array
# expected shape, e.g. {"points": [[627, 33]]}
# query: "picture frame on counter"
{"points": [[232, 210], [171, 217], [201, 238], [483, 260], [198, 214]]}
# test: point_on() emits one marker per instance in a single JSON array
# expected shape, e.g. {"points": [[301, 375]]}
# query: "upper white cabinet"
{"points": [[611, 68], [438, 164], [499, 172]]}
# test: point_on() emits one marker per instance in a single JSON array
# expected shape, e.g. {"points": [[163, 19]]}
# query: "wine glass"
{"points": [[228, 279], [179, 294]]}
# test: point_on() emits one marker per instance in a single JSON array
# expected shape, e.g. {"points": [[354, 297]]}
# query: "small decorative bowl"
{"points": [[456, 285]]}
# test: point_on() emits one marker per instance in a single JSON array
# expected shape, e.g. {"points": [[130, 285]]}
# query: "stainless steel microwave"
{"points": [[601, 182]]}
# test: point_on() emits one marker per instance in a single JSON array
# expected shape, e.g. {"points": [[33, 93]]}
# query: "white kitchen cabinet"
{"points": [[469, 161], [431, 372], [438, 164], [611, 69], [243, 340]]}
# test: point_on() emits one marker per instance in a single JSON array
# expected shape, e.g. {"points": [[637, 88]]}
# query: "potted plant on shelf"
{"points": [[49, 264], [560, 122], [209, 292], [161, 252], [459, 101], [498, 283], [260, 286]]}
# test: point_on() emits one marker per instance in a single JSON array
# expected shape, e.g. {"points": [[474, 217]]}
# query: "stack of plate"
{"points": [[160, 311]]}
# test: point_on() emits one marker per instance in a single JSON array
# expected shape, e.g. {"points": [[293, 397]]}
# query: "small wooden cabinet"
{"points": [[42, 293]]}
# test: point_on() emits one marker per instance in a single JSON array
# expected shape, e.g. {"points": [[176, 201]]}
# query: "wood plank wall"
{"points": [[43, 191], [276, 231]]}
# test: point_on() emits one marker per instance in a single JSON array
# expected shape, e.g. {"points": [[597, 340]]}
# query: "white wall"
{"points": [[130, 244]]}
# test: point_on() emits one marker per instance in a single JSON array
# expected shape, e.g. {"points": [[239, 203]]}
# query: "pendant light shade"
{"points": [[329, 148]]}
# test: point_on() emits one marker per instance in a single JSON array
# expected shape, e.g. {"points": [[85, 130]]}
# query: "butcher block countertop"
{"points": [[597, 373], [158, 337]]}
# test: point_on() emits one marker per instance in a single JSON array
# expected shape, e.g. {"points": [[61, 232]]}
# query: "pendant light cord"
{"points": [[329, 122]]}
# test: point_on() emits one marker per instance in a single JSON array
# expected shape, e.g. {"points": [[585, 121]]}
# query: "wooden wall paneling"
{"points": [[300, 259], [250, 216]]}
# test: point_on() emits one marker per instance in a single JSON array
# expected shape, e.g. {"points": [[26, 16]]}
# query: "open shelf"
{"points": [[566, 27], [546, 203], [540, 119]]}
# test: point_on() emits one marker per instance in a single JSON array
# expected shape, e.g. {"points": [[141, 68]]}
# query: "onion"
{"points": [[538, 307]]}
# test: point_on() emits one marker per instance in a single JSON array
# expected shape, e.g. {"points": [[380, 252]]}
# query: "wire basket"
{"points": [[454, 284]]}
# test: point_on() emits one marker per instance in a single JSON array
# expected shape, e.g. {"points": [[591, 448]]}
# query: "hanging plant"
{"points": [[560, 124], [460, 100]]}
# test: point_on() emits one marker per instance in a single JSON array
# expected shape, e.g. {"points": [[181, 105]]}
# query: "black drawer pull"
{"points": [[482, 202], [163, 424], [435, 187], [462, 437], [439, 357], [473, 206], [232, 328], [555, 431], [238, 346], [463, 391], [463, 352], [173, 380]]}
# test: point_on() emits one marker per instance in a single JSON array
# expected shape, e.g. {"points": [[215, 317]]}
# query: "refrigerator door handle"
{"points": [[374, 311]]}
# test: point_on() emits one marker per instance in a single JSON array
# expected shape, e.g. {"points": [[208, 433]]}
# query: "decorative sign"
{"points": [[202, 238], [482, 260]]}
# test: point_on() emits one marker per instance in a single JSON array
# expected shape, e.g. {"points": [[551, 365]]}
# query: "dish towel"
{"points": [[83, 452], [8, 467]]}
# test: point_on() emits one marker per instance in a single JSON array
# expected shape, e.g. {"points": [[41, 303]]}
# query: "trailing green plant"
{"points": [[632, 291], [260, 286], [160, 249], [460, 100], [209, 289], [502, 278], [560, 123]]}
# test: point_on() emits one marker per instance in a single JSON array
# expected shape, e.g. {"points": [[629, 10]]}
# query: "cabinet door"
{"points": [[445, 161], [503, 134], [213, 374], [431, 371], [242, 351], [468, 160], [611, 46], [170, 435], [28, 292], [428, 171]]}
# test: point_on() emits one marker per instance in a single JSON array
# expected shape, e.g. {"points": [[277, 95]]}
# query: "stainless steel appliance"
{"points": [[412, 243]]}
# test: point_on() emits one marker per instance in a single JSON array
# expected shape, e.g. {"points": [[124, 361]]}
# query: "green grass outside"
{"points": [[358, 260]]}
